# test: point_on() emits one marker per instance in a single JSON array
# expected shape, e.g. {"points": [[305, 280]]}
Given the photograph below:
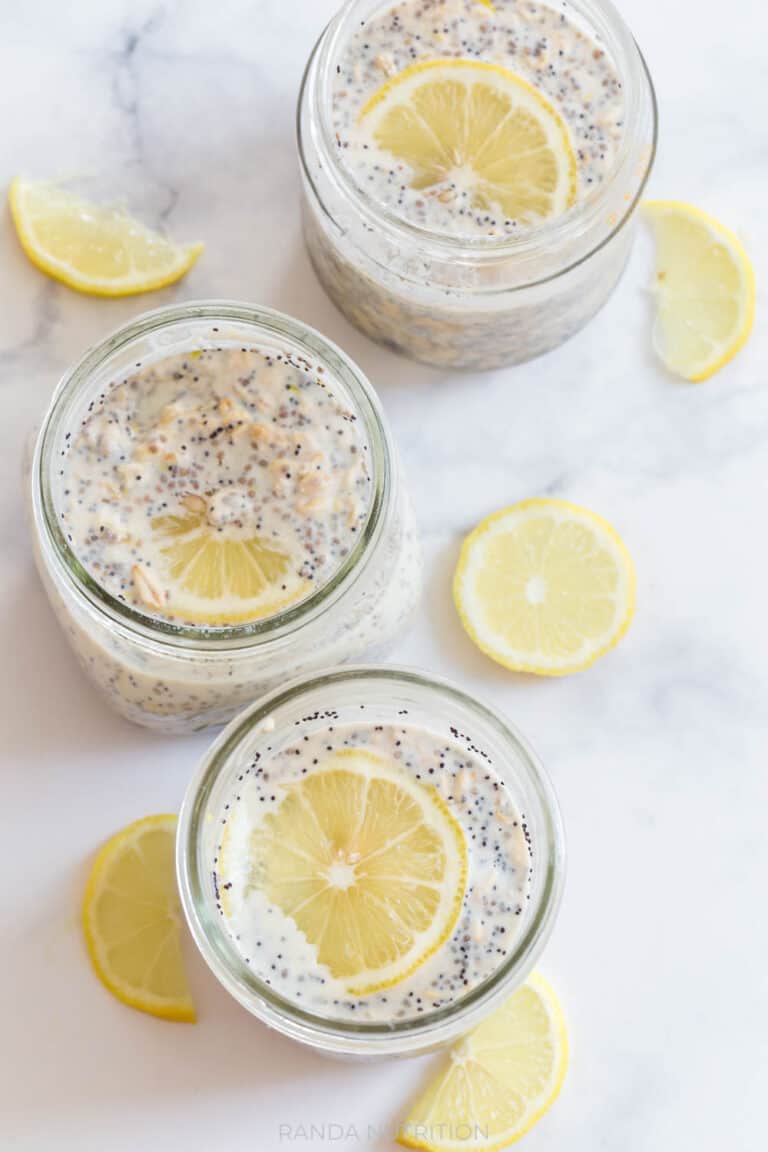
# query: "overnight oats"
{"points": [[469, 170], [369, 860], [217, 507]]}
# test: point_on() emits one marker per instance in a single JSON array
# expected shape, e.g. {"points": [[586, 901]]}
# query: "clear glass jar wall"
{"points": [[177, 678], [486, 302], [282, 719]]}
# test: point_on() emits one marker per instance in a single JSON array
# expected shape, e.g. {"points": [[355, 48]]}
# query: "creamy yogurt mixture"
{"points": [[499, 853], [545, 45], [240, 443]]}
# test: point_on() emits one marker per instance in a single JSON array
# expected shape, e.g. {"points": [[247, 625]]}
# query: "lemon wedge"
{"points": [[132, 920], [212, 578], [369, 864], [468, 124], [95, 249], [498, 1081], [545, 587], [704, 288]]}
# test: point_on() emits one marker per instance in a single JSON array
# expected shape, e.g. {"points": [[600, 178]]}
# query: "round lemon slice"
{"points": [[704, 288], [132, 920], [498, 1081], [95, 249], [213, 578], [468, 124], [369, 864], [545, 587]]}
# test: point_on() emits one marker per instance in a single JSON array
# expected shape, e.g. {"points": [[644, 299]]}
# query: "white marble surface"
{"points": [[659, 753]]}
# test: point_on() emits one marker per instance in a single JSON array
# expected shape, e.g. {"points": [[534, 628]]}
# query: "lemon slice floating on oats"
{"points": [[132, 920], [704, 288], [369, 864], [472, 125], [213, 577], [498, 1081], [545, 587], [93, 248]]}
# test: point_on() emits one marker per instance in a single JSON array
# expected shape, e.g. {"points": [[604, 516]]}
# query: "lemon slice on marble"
{"points": [[369, 864], [498, 1081], [704, 287], [132, 920], [214, 578], [545, 587], [471, 125], [93, 248]]}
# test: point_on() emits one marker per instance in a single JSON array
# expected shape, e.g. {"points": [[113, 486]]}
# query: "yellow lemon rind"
{"points": [[258, 611], [531, 667], [731, 240], [66, 274], [178, 1011]]}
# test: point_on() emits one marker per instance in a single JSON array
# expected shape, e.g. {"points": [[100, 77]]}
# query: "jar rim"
{"points": [[582, 220], [266, 322], [357, 1037]]}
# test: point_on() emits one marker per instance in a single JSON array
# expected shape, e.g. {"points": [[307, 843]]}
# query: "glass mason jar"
{"points": [[281, 719], [470, 303], [178, 678]]}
